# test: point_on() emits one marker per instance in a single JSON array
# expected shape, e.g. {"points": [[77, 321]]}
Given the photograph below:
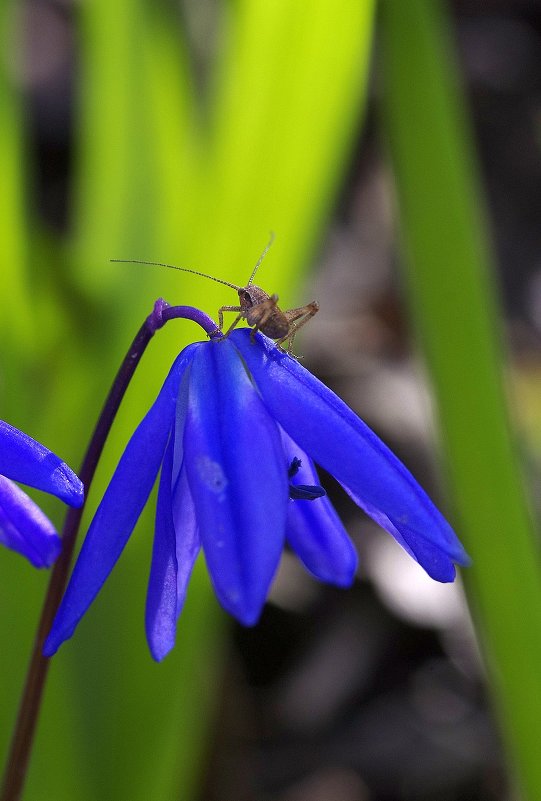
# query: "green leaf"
{"points": [[453, 289], [163, 173]]}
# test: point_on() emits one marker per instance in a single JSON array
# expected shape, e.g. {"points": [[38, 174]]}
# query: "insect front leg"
{"points": [[221, 311], [296, 319]]}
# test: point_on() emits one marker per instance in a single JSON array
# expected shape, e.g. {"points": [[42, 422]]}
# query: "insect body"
{"points": [[257, 307], [262, 313]]}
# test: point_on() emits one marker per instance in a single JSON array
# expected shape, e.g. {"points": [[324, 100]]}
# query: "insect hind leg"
{"points": [[297, 318]]}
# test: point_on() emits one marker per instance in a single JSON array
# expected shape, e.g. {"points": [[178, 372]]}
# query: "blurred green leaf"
{"points": [[162, 173], [15, 311], [452, 287]]}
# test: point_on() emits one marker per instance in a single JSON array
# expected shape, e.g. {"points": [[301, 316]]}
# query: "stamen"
{"points": [[305, 492], [302, 492]]}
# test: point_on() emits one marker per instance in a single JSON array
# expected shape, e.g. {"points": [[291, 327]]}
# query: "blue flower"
{"points": [[235, 428], [23, 526]]}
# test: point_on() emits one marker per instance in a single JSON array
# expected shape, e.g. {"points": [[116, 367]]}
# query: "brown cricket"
{"points": [[257, 307]]}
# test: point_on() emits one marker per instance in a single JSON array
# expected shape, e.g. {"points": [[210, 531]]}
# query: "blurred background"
{"points": [[394, 148]]}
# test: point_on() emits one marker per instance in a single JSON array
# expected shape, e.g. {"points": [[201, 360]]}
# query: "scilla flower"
{"points": [[23, 526], [234, 429]]}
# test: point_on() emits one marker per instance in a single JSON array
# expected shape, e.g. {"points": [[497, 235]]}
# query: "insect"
{"points": [[257, 307]]}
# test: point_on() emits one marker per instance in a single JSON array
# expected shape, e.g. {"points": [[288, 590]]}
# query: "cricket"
{"points": [[257, 307]]}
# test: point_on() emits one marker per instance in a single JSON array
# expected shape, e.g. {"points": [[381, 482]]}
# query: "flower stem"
{"points": [[25, 727]]}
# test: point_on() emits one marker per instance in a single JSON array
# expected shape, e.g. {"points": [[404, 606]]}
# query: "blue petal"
{"points": [[176, 546], [187, 536], [315, 531], [24, 528], [437, 564], [238, 479], [343, 445], [161, 605], [120, 507], [23, 459], [188, 543]]}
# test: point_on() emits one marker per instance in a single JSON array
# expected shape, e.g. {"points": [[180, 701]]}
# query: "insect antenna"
{"points": [[260, 259], [174, 267]]}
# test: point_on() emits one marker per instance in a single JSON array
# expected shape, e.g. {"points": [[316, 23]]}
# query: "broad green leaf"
{"points": [[452, 282]]}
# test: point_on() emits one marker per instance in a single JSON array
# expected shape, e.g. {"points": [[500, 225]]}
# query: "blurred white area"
{"points": [[409, 592], [405, 589]]}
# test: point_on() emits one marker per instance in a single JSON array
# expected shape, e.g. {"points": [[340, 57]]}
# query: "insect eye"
{"points": [[245, 296]]}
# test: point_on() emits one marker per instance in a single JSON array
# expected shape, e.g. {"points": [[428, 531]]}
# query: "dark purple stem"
{"points": [[25, 727], [163, 312]]}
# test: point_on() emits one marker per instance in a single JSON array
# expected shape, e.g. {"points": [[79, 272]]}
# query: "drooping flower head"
{"points": [[236, 429], [23, 526]]}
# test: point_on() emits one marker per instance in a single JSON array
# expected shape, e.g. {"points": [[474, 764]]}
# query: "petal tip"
{"points": [[54, 548], [159, 653], [345, 581], [246, 612], [463, 559], [248, 619], [71, 489], [56, 638], [50, 647]]}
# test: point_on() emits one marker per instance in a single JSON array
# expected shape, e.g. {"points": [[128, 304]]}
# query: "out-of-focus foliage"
{"points": [[197, 128], [163, 171], [444, 234]]}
